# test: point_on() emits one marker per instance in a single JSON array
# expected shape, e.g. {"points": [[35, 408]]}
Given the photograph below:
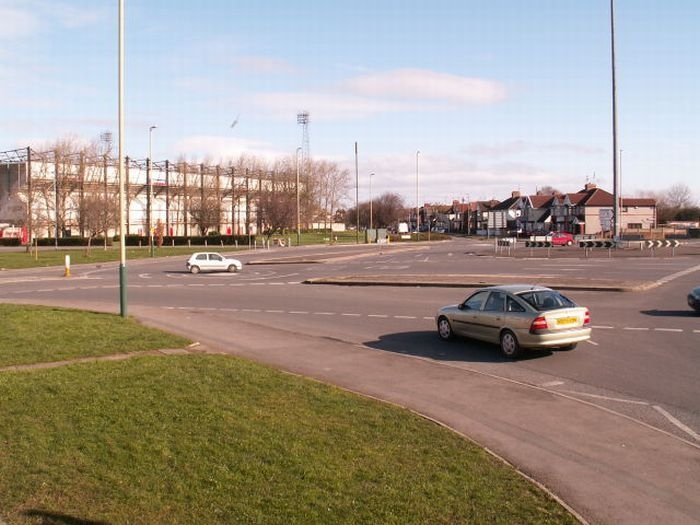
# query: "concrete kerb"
{"points": [[479, 281]]}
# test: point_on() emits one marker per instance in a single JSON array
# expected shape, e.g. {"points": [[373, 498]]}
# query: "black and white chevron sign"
{"points": [[596, 243], [538, 244], [506, 242], [662, 244]]}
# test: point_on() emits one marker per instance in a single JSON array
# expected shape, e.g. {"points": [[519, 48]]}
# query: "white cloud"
{"points": [[221, 148], [17, 23], [325, 106], [391, 91], [421, 84]]}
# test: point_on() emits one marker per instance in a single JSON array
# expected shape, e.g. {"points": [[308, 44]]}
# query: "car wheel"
{"points": [[233, 268], [194, 269], [569, 347], [509, 344], [569, 243], [445, 329]]}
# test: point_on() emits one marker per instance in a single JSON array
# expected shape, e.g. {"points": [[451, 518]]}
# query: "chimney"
{"points": [[590, 186], [515, 194]]}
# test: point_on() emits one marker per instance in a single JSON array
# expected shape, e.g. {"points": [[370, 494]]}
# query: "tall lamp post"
{"points": [[417, 201], [298, 212], [371, 225], [122, 197], [150, 188], [616, 189]]}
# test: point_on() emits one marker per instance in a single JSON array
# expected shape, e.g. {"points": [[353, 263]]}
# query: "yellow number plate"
{"points": [[567, 320]]}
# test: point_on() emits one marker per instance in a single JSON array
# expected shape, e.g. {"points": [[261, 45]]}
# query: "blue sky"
{"points": [[498, 95]]}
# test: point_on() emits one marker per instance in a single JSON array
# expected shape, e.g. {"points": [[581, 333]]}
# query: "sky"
{"points": [[497, 95]]}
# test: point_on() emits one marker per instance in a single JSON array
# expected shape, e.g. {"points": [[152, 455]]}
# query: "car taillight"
{"points": [[586, 318], [538, 324]]}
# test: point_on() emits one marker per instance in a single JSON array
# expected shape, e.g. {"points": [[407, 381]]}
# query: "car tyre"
{"points": [[445, 329], [509, 345], [194, 269], [232, 268], [569, 243], [569, 347]]}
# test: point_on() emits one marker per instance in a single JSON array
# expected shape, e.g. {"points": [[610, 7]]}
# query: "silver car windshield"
{"points": [[546, 300]]}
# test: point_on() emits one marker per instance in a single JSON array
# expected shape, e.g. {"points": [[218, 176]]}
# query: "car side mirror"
{"points": [[462, 306]]}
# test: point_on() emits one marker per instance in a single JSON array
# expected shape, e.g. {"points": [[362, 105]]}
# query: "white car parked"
{"points": [[212, 262]]}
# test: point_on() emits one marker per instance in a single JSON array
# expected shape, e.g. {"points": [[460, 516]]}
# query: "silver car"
{"points": [[212, 261], [517, 317]]}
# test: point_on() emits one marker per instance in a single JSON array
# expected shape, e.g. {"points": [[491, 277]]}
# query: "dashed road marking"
{"points": [[598, 327], [668, 330], [592, 342], [635, 328]]}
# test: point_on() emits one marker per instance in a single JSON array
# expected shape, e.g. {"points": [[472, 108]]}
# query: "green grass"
{"points": [[195, 439], [36, 334], [51, 257]]}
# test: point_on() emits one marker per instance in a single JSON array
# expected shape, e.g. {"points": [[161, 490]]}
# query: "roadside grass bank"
{"points": [[199, 438], [40, 334]]}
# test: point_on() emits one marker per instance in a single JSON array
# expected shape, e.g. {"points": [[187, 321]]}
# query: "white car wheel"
{"points": [[232, 268], [194, 269]]}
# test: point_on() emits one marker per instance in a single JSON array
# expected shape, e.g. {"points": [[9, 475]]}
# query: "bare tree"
{"points": [[98, 214], [333, 184], [679, 196], [205, 212]]}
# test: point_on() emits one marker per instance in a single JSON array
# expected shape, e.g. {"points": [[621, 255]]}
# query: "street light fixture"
{"points": [[150, 188], [371, 225]]}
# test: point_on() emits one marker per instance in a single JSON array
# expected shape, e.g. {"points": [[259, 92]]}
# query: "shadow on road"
{"points": [[55, 518], [670, 313], [427, 344]]}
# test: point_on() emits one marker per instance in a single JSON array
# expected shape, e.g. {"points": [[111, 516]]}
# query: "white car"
{"points": [[212, 262]]}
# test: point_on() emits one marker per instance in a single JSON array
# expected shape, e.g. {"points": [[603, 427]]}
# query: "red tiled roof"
{"points": [[541, 201]]}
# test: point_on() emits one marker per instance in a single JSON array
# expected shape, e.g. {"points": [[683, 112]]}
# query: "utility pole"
{"points": [[357, 198], [122, 198]]}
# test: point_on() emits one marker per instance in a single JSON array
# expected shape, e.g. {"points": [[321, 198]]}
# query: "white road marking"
{"points": [[696, 331], [428, 318], [592, 343], [381, 316], [274, 311], [404, 317], [551, 383], [680, 425], [352, 315], [634, 328], [598, 327], [297, 312], [250, 310], [607, 398], [668, 330], [324, 313]]}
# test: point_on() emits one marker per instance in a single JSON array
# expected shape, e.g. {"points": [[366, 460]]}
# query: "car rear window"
{"points": [[546, 300]]}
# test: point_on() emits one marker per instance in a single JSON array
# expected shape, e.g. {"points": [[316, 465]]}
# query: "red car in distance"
{"points": [[561, 239]]}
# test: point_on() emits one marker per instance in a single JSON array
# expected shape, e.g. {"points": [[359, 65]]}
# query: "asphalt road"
{"points": [[641, 365]]}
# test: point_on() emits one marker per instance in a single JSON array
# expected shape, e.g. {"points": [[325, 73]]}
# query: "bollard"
{"points": [[66, 272]]}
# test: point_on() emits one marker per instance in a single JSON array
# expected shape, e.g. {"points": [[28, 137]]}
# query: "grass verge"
{"points": [[212, 439], [38, 334]]}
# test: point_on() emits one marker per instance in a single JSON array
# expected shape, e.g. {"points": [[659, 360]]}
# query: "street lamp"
{"points": [[417, 201], [149, 212], [122, 195], [297, 186], [370, 201]]}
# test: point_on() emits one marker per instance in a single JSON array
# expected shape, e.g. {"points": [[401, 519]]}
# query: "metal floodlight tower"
{"points": [[303, 120]]}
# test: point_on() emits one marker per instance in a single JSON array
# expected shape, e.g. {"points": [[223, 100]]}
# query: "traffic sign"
{"points": [[596, 243], [538, 244]]}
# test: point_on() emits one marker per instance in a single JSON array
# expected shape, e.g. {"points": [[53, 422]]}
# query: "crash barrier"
{"points": [[509, 241], [661, 244], [538, 244]]}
